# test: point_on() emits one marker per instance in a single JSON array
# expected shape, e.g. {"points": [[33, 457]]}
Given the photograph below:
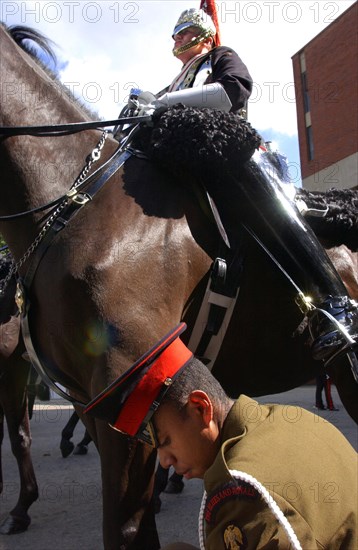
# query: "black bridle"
{"points": [[57, 130], [68, 129]]}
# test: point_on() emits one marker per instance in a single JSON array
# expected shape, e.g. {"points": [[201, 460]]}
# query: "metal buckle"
{"points": [[20, 298], [304, 303], [78, 198], [148, 435], [81, 199]]}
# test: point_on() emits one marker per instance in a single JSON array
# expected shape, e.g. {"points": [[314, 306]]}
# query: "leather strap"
{"points": [[77, 202], [67, 129]]}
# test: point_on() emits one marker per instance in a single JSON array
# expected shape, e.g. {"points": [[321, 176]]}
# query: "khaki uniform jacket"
{"points": [[308, 468]]}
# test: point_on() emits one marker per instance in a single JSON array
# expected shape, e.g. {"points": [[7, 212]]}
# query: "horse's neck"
{"points": [[43, 167], [35, 170]]}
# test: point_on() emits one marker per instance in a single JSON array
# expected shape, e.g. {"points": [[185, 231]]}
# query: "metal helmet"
{"points": [[197, 19]]}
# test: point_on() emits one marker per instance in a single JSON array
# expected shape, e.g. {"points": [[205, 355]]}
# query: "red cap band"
{"points": [[136, 407]]}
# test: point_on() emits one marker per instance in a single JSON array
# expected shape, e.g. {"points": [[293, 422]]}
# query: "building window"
{"points": [[306, 96], [310, 147], [307, 107]]}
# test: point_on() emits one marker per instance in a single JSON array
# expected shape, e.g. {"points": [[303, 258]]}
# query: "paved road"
{"points": [[67, 515]]}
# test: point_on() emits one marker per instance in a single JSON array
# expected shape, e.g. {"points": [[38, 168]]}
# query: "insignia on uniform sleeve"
{"points": [[234, 538], [234, 490]]}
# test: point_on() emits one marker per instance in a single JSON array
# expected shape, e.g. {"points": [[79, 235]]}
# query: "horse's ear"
{"points": [[130, 401]]}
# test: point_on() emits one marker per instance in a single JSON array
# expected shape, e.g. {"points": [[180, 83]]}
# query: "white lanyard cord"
{"points": [[267, 498]]}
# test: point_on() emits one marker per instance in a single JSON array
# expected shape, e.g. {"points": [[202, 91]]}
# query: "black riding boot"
{"points": [[265, 210]]}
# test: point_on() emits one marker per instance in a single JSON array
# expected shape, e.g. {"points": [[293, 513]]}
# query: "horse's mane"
{"points": [[340, 223], [24, 36]]}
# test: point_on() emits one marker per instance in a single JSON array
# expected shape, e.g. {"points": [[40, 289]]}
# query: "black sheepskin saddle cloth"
{"points": [[199, 142], [207, 144]]}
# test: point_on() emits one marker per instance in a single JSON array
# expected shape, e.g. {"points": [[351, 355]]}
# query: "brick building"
{"points": [[326, 84]]}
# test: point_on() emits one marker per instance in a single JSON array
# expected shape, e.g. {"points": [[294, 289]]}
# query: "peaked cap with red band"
{"points": [[130, 401]]}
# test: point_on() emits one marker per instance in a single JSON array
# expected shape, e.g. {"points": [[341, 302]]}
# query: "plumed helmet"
{"points": [[195, 18]]}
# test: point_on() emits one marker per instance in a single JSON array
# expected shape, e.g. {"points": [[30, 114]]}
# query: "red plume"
{"points": [[209, 6]]}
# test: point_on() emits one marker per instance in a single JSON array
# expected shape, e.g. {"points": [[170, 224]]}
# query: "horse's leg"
{"points": [[67, 433], [341, 375], [31, 389], [30, 403], [160, 482], [1, 440], [17, 418], [82, 447], [127, 481], [86, 440], [66, 445]]}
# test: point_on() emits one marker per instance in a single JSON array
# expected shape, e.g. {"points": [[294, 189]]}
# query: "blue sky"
{"points": [[106, 47]]}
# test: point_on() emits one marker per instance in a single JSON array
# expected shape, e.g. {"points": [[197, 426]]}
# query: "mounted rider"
{"points": [[214, 76], [211, 76]]}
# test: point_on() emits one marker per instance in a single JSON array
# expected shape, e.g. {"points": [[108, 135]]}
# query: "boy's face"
{"points": [[188, 441]]}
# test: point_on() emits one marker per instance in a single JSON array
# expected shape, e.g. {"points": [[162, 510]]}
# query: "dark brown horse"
{"points": [[14, 375], [14, 370], [124, 271]]}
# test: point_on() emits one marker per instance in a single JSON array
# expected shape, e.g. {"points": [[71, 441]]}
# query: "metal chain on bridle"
{"points": [[91, 159], [62, 202]]}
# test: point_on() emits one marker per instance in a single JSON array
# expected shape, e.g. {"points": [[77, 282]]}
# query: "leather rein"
{"points": [[59, 130], [68, 129]]}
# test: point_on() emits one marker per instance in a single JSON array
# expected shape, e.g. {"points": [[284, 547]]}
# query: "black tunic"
{"points": [[230, 71]]}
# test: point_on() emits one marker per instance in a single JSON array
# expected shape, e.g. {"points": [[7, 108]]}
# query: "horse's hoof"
{"points": [[15, 524], [66, 447], [80, 450]]}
